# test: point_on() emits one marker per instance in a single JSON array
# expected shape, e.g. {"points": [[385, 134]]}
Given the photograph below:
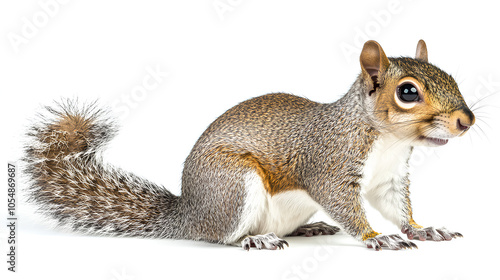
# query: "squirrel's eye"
{"points": [[408, 92]]}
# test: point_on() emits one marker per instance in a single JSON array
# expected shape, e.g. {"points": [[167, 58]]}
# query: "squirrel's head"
{"points": [[411, 98]]}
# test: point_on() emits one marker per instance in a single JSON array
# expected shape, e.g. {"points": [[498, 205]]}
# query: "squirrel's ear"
{"points": [[421, 51], [373, 61]]}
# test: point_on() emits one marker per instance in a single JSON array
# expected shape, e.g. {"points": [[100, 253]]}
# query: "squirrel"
{"points": [[261, 170]]}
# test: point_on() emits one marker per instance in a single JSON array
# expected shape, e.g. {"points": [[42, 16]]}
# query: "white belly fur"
{"points": [[281, 213]]}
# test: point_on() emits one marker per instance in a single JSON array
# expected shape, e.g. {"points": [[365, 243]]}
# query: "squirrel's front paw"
{"points": [[393, 242], [429, 233]]}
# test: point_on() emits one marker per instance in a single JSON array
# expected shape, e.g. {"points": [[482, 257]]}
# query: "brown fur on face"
{"points": [[438, 113]]}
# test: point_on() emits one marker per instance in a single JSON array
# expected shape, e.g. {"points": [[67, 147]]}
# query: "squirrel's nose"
{"points": [[464, 119], [461, 126]]}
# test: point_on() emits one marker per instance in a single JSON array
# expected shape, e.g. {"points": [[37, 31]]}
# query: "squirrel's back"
{"points": [[259, 124]]}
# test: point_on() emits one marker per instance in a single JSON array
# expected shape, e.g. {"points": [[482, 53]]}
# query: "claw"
{"points": [[245, 245], [267, 241], [430, 233], [393, 242], [447, 236], [413, 245]]}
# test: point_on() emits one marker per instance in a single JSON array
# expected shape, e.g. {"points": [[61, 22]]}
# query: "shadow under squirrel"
{"points": [[263, 168]]}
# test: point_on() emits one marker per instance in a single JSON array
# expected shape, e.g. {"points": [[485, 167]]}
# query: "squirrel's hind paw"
{"points": [[267, 241], [319, 228], [392, 242], [430, 233]]}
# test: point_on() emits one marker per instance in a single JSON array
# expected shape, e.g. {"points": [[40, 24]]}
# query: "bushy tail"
{"points": [[70, 183]]}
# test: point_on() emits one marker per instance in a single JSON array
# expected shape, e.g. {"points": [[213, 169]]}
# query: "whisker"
{"points": [[481, 99], [478, 129]]}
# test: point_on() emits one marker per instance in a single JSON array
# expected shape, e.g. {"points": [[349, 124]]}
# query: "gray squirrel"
{"points": [[263, 168]]}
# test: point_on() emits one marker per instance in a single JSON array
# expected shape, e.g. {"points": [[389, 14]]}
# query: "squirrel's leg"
{"points": [[319, 228], [345, 207], [214, 196], [393, 202], [225, 199]]}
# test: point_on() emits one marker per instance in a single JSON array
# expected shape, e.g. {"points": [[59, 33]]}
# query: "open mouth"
{"points": [[435, 141]]}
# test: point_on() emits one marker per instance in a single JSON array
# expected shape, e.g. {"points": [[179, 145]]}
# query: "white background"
{"points": [[215, 59]]}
